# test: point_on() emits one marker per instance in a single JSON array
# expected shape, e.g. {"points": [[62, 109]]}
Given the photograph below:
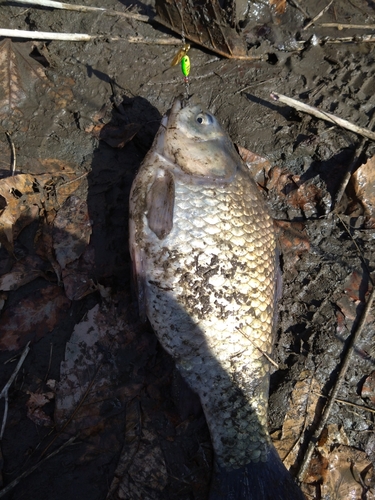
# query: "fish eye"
{"points": [[204, 119]]}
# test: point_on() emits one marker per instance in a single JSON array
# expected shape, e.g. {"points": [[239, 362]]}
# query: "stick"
{"points": [[43, 35], [82, 8], [300, 106], [341, 26], [27, 472], [4, 392], [13, 164], [335, 389], [317, 16]]}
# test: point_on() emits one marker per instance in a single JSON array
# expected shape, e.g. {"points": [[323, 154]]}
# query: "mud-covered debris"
{"points": [[300, 415], [279, 6], [204, 23], [368, 388], [32, 318], [19, 73], [23, 271], [349, 474], [258, 166], [363, 183], [71, 230], [34, 407]]}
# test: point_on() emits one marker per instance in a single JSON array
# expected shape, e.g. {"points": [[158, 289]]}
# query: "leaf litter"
{"points": [[113, 389]]}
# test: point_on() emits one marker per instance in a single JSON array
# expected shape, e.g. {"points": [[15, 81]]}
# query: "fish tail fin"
{"points": [[268, 480]]}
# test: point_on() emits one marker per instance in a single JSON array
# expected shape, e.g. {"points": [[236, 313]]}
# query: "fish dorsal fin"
{"points": [[160, 204]]}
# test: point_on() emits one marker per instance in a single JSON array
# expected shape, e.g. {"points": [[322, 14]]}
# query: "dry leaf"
{"points": [[368, 388], [87, 367], [258, 166], [363, 182], [71, 231], [205, 23], [279, 6], [301, 410], [348, 469], [34, 407], [33, 317], [23, 271], [18, 75]]}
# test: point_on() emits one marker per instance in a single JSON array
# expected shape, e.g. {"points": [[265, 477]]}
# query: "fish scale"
{"points": [[204, 251]]}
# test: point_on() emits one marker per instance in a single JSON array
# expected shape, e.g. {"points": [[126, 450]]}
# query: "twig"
{"points": [[4, 392], [259, 349], [300, 8], [318, 15], [341, 26], [83, 8], [335, 389], [44, 35], [352, 165], [329, 117], [13, 164], [154, 41], [27, 472]]}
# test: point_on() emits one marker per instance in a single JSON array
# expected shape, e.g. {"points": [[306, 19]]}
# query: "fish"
{"points": [[205, 266]]}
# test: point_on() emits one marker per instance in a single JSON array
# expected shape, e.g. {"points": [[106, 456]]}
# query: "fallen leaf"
{"points": [[88, 371], [258, 166], [279, 6], [77, 284], [368, 388], [34, 407], [206, 24], [23, 271], [33, 317], [301, 411], [348, 472], [71, 231], [18, 75], [363, 183]]}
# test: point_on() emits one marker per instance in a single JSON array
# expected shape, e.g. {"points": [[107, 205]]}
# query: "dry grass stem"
{"points": [[44, 35], [82, 8], [323, 11], [341, 26], [4, 392], [27, 472], [13, 149], [305, 108]]}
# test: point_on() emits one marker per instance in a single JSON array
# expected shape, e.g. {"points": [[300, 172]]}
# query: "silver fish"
{"points": [[204, 255]]}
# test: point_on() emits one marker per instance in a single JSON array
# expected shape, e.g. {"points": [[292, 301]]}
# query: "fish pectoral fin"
{"points": [[160, 204]]}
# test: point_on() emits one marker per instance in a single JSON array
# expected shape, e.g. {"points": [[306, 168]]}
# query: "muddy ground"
{"points": [[139, 433]]}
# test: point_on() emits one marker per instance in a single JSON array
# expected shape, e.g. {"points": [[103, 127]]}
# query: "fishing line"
{"points": [[181, 56]]}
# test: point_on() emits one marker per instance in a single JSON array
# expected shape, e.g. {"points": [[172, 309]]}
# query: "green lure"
{"points": [[185, 66]]}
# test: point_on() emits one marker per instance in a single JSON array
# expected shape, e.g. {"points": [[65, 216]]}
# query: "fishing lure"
{"points": [[180, 54], [185, 67]]}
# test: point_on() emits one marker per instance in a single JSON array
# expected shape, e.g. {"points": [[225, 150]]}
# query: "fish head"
{"points": [[196, 145]]}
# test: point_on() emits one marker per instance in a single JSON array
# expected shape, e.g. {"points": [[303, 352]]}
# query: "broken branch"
{"points": [[329, 117]]}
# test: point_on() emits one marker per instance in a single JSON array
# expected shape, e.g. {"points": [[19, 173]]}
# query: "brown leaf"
{"points": [[71, 231], [363, 183], [297, 193], [279, 6], [368, 388], [32, 318], [301, 410], [205, 23], [23, 271], [258, 166], [18, 74], [34, 407], [77, 284], [348, 470]]}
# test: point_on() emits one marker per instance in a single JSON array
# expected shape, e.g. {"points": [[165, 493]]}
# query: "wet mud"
{"points": [[150, 440]]}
